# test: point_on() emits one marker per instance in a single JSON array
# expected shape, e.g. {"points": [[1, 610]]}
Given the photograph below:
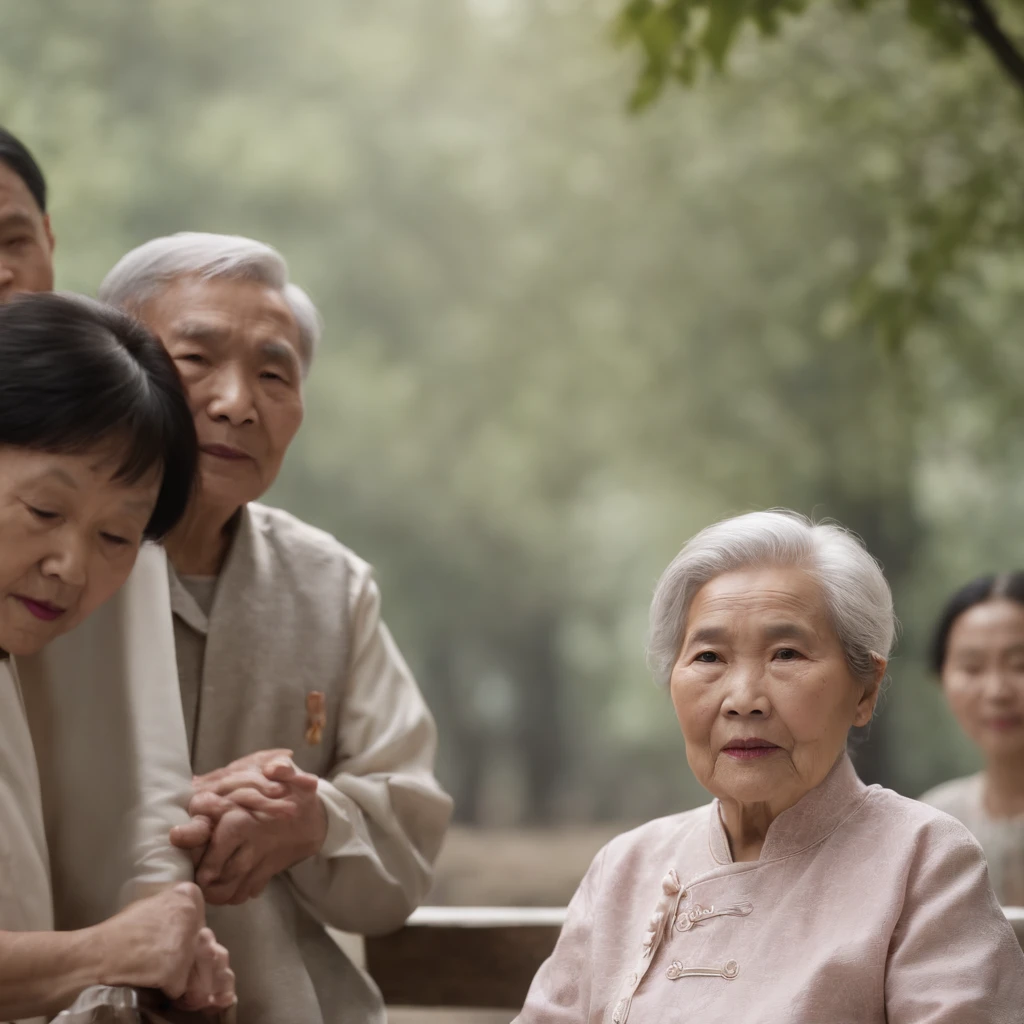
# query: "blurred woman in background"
{"points": [[978, 654]]}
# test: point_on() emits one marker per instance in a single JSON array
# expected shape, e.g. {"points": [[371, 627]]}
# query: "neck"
{"points": [[746, 825], [199, 544], [1003, 793]]}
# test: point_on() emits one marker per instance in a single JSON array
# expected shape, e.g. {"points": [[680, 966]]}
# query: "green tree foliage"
{"points": [[955, 116], [560, 340]]}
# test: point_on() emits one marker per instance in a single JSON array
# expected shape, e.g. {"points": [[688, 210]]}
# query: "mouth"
{"points": [[225, 451], [1005, 723], [43, 610], [749, 748]]}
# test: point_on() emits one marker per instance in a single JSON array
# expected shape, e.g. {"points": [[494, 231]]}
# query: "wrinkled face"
{"points": [[983, 675], [26, 242], [69, 535], [762, 689], [236, 346]]}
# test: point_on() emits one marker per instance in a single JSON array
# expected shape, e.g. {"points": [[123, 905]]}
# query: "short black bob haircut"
{"points": [[15, 154], [1007, 585], [76, 375]]}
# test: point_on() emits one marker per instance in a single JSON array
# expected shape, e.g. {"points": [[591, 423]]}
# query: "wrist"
{"points": [[88, 957]]}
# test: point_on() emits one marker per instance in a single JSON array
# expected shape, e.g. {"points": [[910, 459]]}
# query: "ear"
{"points": [[872, 688], [48, 229]]}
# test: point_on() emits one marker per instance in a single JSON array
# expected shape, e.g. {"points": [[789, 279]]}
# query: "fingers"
{"points": [[256, 802], [251, 778], [210, 805], [287, 771], [255, 760], [193, 836], [211, 982], [227, 838]]}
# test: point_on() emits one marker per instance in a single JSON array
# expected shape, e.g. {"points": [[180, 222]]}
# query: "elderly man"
{"points": [[112, 677], [26, 240], [315, 800]]}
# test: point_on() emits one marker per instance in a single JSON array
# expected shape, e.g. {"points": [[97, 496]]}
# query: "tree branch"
{"points": [[983, 21]]}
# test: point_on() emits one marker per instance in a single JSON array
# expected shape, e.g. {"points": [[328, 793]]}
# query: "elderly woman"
{"points": [[799, 894], [978, 654], [97, 454], [313, 749]]}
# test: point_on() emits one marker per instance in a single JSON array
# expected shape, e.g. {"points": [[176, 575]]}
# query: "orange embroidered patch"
{"points": [[316, 717]]}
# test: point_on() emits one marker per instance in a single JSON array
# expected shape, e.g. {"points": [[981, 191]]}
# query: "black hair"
{"points": [[76, 374], [15, 154], [1009, 585]]}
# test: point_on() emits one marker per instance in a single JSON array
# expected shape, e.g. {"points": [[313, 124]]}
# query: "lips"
{"points": [[749, 748], [1005, 723], [225, 451], [44, 610]]}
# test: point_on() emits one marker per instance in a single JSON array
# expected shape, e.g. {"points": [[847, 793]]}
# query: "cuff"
{"points": [[339, 823]]}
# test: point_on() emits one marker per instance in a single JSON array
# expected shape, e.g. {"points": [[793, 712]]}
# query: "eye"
{"points": [[16, 243], [113, 538], [707, 657], [43, 514], [197, 358], [272, 375], [786, 654]]}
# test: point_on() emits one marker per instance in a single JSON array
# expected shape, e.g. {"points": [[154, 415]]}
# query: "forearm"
{"points": [[41, 973]]}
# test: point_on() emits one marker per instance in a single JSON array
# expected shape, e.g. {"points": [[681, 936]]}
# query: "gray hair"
{"points": [[141, 274], [856, 593]]}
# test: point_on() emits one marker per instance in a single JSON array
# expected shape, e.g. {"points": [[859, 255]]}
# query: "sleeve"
{"points": [[386, 814], [560, 991], [105, 710], [953, 958]]}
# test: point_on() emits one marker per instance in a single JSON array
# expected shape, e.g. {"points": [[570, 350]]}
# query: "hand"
{"points": [[153, 943], [249, 825], [211, 982]]}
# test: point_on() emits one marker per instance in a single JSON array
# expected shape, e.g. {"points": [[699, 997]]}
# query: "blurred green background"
{"points": [[561, 337]]}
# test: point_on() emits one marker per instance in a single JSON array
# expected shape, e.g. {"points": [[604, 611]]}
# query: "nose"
{"points": [[745, 694], [68, 561], [6, 279], [231, 398], [997, 686]]}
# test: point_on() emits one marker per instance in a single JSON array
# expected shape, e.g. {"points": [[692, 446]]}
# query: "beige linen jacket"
{"points": [[295, 613], [864, 908], [24, 873], [105, 715]]}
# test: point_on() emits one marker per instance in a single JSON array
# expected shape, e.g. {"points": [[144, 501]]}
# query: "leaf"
{"points": [[724, 20]]}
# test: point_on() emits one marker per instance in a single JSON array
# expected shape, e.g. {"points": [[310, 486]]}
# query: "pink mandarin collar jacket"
{"points": [[864, 908]]}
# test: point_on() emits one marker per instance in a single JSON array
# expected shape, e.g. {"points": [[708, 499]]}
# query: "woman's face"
{"points": [[983, 675], [762, 689], [69, 535]]}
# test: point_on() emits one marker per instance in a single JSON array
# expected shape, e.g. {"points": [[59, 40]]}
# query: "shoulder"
{"points": [[954, 797], [924, 828], [299, 542]]}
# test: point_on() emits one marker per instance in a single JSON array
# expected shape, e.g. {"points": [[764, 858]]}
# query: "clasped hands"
{"points": [[251, 820]]}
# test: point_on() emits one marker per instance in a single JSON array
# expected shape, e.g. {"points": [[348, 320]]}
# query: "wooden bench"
{"points": [[478, 957]]}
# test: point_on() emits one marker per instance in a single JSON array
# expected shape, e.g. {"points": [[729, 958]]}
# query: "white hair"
{"points": [[141, 274], [856, 593]]}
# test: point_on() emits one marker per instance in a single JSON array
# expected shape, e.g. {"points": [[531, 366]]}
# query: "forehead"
{"points": [[90, 475], [749, 597], [992, 623], [15, 198], [242, 307]]}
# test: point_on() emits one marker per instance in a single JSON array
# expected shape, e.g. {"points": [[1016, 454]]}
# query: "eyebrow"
{"points": [[201, 330], [16, 220], [775, 631], [60, 474], [280, 352]]}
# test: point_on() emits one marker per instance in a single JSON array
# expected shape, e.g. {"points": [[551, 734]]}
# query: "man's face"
{"points": [[26, 241], [236, 346]]}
